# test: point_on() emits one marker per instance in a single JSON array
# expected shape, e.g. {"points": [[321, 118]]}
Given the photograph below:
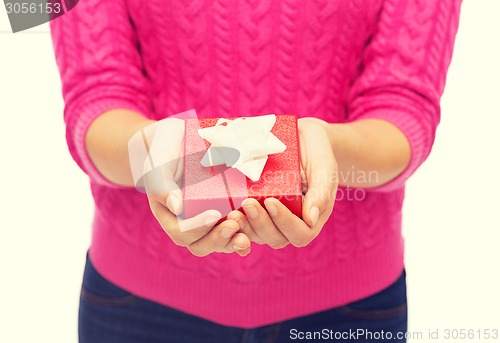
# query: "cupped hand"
{"points": [[162, 181], [275, 225], [199, 234]]}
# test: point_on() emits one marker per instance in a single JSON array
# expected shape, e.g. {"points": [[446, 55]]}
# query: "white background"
{"points": [[452, 208]]}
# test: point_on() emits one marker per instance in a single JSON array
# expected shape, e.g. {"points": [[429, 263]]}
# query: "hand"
{"points": [[199, 234], [162, 179], [277, 226]]}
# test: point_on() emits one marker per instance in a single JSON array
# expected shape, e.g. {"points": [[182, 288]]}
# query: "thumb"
{"points": [[161, 187], [318, 203], [159, 149], [320, 169]]}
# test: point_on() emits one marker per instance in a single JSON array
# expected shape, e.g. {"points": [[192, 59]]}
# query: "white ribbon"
{"points": [[243, 143]]}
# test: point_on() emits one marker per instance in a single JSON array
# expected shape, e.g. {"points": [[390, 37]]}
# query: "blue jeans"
{"points": [[109, 314]]}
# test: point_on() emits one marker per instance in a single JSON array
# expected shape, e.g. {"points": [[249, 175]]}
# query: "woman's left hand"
{"points": [[278, 226]]}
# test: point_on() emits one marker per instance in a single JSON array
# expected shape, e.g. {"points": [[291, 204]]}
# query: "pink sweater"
{"points": [[337, 60]]}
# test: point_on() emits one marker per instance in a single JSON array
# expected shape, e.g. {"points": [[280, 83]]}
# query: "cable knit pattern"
{"points": [[338, 60]]}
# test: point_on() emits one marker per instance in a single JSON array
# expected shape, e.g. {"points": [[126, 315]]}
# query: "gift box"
{"points": [[222, 187]]}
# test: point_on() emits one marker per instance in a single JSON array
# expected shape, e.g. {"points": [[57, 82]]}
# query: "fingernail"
{"points": [[235, 247], [211, 221], [271, 208], [226, 233], [314, 214], [172, 203], [251, 211]]}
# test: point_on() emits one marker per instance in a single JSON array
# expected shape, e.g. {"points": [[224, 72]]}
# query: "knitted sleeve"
{"points": [[404, 71], [101, 69]]}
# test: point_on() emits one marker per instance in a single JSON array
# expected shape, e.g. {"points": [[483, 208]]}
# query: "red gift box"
{"points": [[224, 188]]}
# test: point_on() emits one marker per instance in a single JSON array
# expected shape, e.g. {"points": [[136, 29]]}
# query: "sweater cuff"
{"points": [[419, 136], [82, 116]]}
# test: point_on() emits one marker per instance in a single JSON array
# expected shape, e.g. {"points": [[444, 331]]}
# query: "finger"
{"points": [[244, 252], [262, 224], [238, 242], [303, 179], [165, 145], [184, 232], [318, 203], [293, 228], [203, 220], [216, 240], [161, 187], [320, 168], [245, 226]]}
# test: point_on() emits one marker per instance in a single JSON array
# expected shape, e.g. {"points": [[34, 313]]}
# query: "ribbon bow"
{"points": [[243, 143]]}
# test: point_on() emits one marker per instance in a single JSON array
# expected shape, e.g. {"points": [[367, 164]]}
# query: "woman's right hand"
{"points": [[199, 234], [162, 181]]}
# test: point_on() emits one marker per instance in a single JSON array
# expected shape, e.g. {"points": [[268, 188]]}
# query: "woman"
{"points": [[365, 78]]}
